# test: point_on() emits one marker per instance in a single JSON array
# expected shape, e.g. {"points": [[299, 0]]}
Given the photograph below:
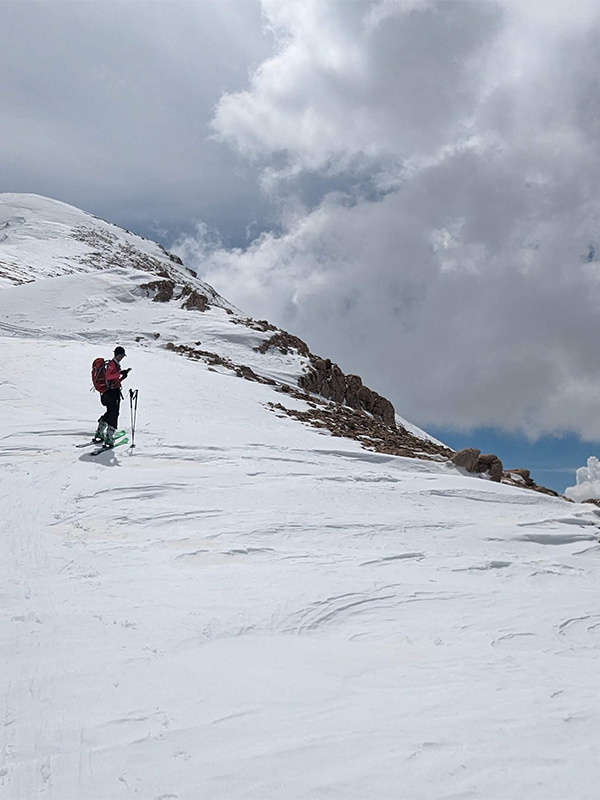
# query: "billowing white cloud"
{"points": [[458, 270], [587, 485], [362, 80]]}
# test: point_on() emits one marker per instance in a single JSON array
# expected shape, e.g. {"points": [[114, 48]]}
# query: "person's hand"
{"points": [[125, 372]]}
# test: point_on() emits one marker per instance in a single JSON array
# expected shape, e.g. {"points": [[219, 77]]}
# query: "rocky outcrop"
{"points": [[162, 290], [350, 423], [323, 377], [327, 379], [473, 461], [344, 419], [522, 477], [467, 458], [214, 359], [342, 405], [259, 325], [284, 342], [491, 464], [195, 301], [110, 252]]}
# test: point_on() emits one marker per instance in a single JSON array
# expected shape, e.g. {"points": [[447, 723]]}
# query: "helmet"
{"points": [[120, 351]]}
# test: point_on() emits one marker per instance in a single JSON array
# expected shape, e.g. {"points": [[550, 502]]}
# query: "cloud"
{"points": [[587, 485], [361, 80], [107, 105], [457, 267]]}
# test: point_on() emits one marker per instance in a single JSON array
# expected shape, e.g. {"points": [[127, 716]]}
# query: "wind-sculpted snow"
{"points": [[237, 609], [245, 607]]}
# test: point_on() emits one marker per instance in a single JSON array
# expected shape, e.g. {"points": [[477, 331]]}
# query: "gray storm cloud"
{"points": [[106, 105], [458, 267]]}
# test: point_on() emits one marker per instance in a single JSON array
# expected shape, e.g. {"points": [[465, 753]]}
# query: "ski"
{"points": [[105, 448], [118, 435]]}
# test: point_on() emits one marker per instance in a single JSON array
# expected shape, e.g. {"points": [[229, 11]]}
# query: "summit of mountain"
{"points": [[45, 238]]}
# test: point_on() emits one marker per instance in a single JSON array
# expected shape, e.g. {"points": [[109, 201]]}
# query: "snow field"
{"points": [[242, 607]]}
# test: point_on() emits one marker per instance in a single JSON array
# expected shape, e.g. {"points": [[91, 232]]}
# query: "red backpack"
{"points": [[99, 375]]}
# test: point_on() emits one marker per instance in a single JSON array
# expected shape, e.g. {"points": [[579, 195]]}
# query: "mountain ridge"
{"points": [[43, 238], [79, 243]]}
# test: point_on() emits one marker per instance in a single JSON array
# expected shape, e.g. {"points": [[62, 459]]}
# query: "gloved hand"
{"points": [[125, 373]]}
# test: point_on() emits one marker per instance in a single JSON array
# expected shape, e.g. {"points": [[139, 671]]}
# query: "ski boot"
{"points": [[109, 436], [100, 432]]}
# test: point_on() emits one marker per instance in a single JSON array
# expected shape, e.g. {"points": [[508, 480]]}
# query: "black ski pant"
{"points": [[111, 399]]}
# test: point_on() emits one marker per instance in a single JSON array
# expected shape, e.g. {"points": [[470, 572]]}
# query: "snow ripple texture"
{"points": [[242, 607]]}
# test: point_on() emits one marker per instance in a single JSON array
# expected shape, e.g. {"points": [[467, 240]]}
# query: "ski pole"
{"points": [[133, 399]]}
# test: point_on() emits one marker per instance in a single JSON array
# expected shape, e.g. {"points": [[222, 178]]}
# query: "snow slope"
{"points": [[243, 607]]}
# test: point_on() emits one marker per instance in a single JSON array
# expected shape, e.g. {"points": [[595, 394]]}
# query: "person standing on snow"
{"points": [[111, 398]]}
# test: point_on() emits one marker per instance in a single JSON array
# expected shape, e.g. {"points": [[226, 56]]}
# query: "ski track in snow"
{"points": [[243, 607]]}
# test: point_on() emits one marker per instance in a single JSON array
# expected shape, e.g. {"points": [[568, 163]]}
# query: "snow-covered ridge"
{"points": [[43, 238]]}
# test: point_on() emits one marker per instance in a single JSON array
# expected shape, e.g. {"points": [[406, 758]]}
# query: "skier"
{"points": [[111, 398]]}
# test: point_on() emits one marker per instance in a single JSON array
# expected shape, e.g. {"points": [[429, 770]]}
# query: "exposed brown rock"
{"points": [[256, 324], [492, 464], [195, 301], [524, 474], [496, 471], [384, 409], [244, 371], [335, 385], [467, 458], [372, 433], [214, 359], [328, 380], [172, 257], [366, 398], [284, 342], [353, 386], [522, 479], [472, 460], [162, 290]]}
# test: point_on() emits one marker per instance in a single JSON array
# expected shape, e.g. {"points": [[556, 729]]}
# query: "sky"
{"points": [[409, 186]]}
